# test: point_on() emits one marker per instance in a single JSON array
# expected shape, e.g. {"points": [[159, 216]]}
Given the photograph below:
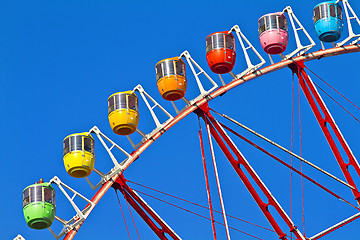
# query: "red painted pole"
{"points": [[319, 108], [207, 185]]}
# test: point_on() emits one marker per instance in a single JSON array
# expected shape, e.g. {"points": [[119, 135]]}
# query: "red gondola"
{"points": [[220, 52]]}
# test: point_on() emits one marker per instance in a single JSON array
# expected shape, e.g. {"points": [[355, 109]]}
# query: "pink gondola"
{"points": [[273, 33]]}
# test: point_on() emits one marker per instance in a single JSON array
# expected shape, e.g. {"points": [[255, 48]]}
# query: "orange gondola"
{"points": [[171, 78]]}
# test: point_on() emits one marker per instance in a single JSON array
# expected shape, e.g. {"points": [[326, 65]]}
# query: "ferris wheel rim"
{"points": [[331, 52], [223, 89]]}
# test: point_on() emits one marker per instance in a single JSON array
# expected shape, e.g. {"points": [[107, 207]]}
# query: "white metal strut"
{"points": [[145, 96], [352, 35], [19, 237], [203, 92], [80, 215], [250, 66], [218, 182], [118, 166], [300, 49]]}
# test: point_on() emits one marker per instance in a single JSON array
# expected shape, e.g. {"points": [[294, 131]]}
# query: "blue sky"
{"points": [[61, 60]]}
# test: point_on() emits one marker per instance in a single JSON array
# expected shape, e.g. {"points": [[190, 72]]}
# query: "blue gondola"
{"points": [[328, 21]]}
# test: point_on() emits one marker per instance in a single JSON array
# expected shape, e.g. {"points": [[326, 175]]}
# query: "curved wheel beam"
{"points": [[220, 91]]}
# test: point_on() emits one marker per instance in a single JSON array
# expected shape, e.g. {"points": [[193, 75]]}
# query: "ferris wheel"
{"points": [[172, 79]]}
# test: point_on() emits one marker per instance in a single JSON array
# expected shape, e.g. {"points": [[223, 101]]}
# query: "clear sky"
{"points": [[61, 60]]}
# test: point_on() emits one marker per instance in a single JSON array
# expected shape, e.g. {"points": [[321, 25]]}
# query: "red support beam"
{"points": [[327, 123], [207, 184], [223, 140], [143, 209]]}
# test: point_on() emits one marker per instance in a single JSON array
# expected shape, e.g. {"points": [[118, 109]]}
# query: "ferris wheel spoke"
{"points": [[122, 213], [336, 226], [217, 181], [218, 133], [207, 182], [283, 149], [315, 100], [289, 166], [195, 204], [348, 100]]}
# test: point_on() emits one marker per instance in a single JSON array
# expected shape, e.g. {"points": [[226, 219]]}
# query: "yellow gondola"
{"points": [[123, 108], [79, 156], [171, 78]]}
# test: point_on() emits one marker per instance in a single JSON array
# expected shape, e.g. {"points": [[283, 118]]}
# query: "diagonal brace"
{"points": [[226, 144], [327, 123], [145, 211]]}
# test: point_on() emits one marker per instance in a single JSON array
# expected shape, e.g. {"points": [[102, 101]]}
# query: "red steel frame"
{"points": [[226, 144], [318, 107], [144, 210]]}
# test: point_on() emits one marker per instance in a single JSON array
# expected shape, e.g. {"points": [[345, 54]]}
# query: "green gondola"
{"points": [[39, 205]]}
